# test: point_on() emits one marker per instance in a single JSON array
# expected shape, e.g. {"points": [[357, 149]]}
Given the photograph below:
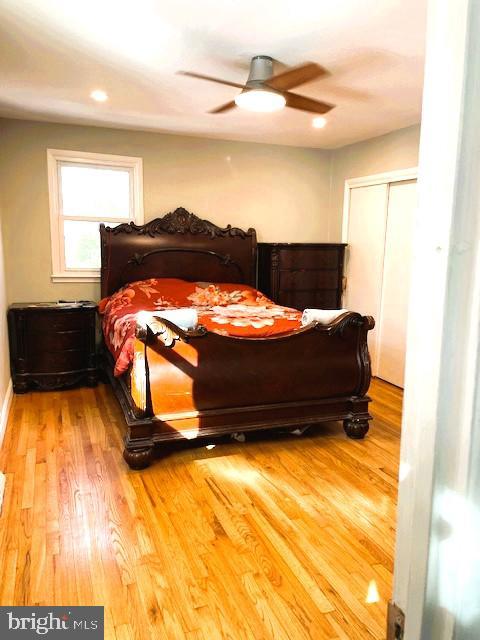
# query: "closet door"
{"points": [[365, 253], [402, 203]]}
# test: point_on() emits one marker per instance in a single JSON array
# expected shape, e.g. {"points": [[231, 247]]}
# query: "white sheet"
{"points": [[324, 316]]}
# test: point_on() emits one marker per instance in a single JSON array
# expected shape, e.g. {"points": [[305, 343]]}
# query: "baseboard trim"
{"points": [[7, 402]]}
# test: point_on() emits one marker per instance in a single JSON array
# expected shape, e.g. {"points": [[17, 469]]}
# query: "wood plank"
{"points": [[277, 538]]}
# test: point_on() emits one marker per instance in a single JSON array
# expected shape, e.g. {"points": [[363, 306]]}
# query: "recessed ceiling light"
{"points": [[99, 95], [319, 122]]}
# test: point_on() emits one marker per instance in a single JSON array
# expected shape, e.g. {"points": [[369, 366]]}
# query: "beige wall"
{"points": [[281, 191], [286, 193], [396, 150], [4, 361]]}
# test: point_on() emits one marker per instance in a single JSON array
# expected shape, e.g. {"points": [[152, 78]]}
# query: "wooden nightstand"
{"points": [[52, 345]]}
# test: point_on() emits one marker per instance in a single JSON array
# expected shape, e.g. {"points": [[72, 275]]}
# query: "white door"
{"points": [[365, 253], [402, 203], [378, 268]]}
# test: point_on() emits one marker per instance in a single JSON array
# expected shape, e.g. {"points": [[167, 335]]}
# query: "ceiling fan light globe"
{"points": [[260, 100]]}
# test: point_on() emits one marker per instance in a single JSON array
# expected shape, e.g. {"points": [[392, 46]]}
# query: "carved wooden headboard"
{"points": [[179, 245]]}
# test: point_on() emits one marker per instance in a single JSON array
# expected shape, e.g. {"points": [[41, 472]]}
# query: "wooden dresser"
{"points": [[302, 275], [52, 345]]}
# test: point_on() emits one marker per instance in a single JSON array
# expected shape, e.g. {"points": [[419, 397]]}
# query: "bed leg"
{"points": [[356, 428], [138, 458]]}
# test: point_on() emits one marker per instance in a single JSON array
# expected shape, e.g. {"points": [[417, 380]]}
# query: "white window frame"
{"points": [[60, 273]]}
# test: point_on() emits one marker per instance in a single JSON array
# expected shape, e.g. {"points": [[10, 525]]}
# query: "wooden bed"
{"points": [[225, 384]]}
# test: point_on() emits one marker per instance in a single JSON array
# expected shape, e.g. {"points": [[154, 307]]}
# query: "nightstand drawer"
{"points": [[38, 342], [59, 362], [57, 321]]}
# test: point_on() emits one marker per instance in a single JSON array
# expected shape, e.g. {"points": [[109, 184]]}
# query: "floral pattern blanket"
{"points": [[227, 309]]}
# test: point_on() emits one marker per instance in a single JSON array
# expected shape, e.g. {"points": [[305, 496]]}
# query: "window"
{"points": [[85, 190]]}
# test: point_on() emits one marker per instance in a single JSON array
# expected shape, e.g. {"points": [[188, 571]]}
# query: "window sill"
{"points": [[70, 277]]}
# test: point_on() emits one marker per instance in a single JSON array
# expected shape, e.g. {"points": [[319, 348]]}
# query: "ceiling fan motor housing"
{"points": [[261, 70], [268, 92]]}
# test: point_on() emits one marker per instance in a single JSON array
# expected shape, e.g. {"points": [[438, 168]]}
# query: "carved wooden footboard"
{"points": [[190, 384]]}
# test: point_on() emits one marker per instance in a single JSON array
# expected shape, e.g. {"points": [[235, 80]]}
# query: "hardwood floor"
{"points": [[280, 538]]}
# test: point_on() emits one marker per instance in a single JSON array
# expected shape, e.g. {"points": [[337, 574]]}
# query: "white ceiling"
{"points": [[54, 52]]}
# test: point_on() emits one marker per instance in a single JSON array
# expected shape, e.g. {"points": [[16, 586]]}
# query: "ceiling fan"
{"points": [[266, 92]]}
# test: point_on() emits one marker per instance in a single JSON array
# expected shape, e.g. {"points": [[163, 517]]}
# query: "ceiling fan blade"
{"points": [[306, 104], [296, 76], [224, 107], [199, 76]]}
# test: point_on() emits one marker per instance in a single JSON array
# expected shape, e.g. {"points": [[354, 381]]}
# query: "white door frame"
{"points": [[437, 505], [386, 178]]}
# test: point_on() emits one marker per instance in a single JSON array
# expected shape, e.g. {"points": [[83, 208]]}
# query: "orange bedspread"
{"points": [[227, 309]]}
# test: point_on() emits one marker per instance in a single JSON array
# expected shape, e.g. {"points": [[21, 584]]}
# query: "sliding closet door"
{"points": [[365, 253], [402, 202]]}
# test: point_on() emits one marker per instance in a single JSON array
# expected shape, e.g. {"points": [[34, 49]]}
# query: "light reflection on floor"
{"points": [[372, 593]]}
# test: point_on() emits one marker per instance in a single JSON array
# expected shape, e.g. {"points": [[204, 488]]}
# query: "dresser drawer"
{"points": [[302, 275], [308, 299], [308, 279], [308, 258]]}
